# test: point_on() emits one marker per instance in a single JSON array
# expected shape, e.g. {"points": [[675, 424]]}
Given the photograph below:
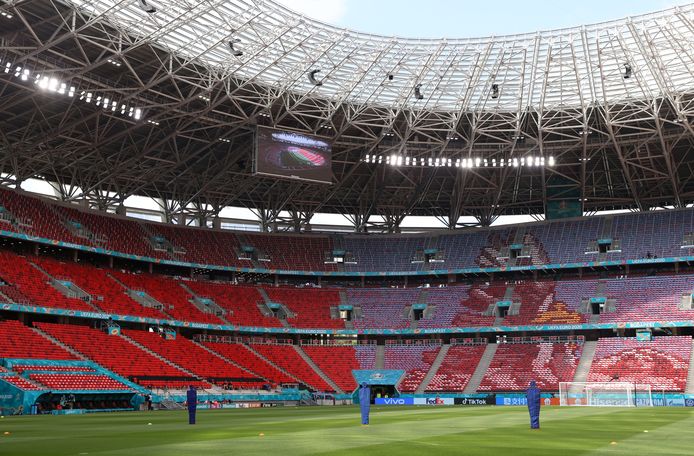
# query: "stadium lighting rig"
{"points": [[54, 85], [529, 161]]}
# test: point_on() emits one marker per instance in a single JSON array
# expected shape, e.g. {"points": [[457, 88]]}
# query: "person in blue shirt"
{"points": [[192, 401], [533, 396], [364, 403]]}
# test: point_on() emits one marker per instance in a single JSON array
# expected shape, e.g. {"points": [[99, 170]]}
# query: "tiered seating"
{"points": [[566, 241], [77, 382], [662, 363], [382, 307], [202, 245], [480, 297], [538, 305], [453, 308], [241, 301], [249, 360], [120, 356], [515, 365], [415, 360], [366, 356], [19, 341], [120, 234], [20, 382], [43, 219], [459, 251], [337, 362], [20, 368], [193, 358], [457, 368], [106, 293], [311, 306], [649, 298], [286, 357], [169, 292], [659, 233], [383, 253], [296, 253], [33, 284]]}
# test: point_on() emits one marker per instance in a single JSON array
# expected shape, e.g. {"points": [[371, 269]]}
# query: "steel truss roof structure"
{"points": [[612, 102]]}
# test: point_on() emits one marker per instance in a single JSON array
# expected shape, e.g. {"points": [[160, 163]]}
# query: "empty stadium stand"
{"points": [[240, 301], [457, 368], [243, 356], [515, 365], [662, 362], [192, 357], [32, 285], [311, 306], [337, 362], [175, 299], [106, 294], [122, 357], [656, 234], [73, 381], [415, 360], [382, 307], [287, 358], [20, 341]]}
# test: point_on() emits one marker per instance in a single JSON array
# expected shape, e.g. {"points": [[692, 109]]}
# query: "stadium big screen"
{"points": [[293, 155]]}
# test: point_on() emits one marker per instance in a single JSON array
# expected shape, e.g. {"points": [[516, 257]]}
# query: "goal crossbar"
{"points": [[605, 394]]}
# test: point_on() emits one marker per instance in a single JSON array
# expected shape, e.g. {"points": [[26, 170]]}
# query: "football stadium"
{"points": [[228, 227]]}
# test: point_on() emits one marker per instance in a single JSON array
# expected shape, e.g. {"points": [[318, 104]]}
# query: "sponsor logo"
{"points": [[377, 376], [394, 401], [433, 401]]}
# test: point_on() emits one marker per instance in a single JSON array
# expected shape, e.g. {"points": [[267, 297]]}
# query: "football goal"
{"points": [[605, 394]]}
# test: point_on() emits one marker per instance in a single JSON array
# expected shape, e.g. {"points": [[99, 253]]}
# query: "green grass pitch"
{"points": [[336, 431]]}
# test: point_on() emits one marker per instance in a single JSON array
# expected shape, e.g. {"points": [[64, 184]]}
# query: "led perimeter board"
{"points": [[292, 155]]}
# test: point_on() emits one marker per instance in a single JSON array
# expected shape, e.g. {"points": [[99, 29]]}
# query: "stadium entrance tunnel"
{"points": [[383, 383], [383, 391], [65, 402]]}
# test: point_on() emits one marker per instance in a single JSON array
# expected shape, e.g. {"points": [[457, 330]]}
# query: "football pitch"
{"points": [[337, 431]]}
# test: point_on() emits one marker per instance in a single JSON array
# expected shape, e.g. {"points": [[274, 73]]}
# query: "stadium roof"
{"points": [[612, 102]]}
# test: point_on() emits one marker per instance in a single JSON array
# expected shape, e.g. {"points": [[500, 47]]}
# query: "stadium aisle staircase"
{"points": [[194, 358], [19, 341], [585, 362], [317, 369], [336, 362], [242, 356], [690, 375], [474, 383], [457, 368], [433, 369], [289, 360], [415, 360], [380, 357], [122, 356]]}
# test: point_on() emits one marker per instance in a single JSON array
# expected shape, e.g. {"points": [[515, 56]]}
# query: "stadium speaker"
{"points": [[312, 78], [146, 7], [627, 71], [418, 92], [235, 52], [495, 91]]}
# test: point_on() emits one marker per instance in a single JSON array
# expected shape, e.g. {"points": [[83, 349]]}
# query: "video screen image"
{"points": [[293, 155]]}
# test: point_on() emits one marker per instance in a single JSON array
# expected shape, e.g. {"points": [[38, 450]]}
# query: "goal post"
{"points": [[605, 394]]}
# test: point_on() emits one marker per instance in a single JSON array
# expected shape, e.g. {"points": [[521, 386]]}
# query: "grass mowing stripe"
{"points": [[327, 430]]}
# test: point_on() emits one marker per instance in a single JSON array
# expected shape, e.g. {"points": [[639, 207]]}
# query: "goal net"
{"points": [[605, 394]]}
